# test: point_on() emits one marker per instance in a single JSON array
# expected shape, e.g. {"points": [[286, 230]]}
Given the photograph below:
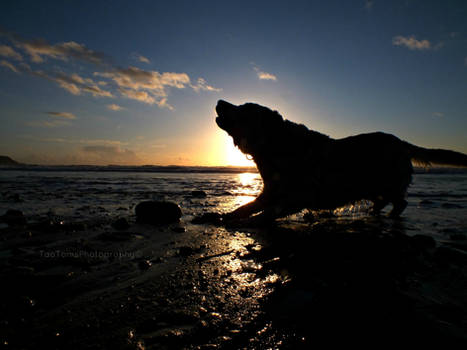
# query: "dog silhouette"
{"points": [[302, 168]]}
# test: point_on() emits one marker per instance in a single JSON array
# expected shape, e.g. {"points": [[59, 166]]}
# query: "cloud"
{"points": [[263, 75], [39, 49], [48, 123], [111, 154], [58, 119], [98, 142], [74, 84], [8, 52], [146, 86], [438, 114], [151, 87], [412, 43], [201, 84], [65, 115], [114, 107], [141, 96], [9, 66], [266, 76], [141, 58]]}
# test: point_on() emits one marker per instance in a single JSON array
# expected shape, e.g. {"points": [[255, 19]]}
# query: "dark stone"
{"points": [[155, 213], [199, 194], [121, 224], [14, 217]]}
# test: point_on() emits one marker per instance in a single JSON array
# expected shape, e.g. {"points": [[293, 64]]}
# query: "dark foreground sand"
{"points": [[79, 285]]}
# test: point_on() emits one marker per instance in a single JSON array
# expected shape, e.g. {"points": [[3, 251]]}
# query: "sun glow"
{"points": [[235, 157]]}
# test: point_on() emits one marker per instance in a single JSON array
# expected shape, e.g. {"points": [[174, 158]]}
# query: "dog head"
{"points": [[250, 125]]}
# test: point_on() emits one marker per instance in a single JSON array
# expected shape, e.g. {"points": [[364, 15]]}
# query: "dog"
{"points": [[302, 168]]}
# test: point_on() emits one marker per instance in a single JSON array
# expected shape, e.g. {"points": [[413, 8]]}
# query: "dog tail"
{"points": [[429, 156]]}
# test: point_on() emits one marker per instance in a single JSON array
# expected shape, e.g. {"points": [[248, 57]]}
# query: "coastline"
{"points": [[91, 285]]}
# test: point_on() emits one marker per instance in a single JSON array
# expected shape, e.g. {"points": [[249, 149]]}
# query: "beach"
{"points": [[79, 271]]}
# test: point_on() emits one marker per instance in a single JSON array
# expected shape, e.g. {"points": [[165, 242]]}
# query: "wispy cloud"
{"points": [[146, 86], [141, 96], [111, 154], [40, 49], [263, 75], [65, 115], [74, 84], [141, 58], [151, 86], [411, 43], [7, 51], [57, 119], [114, 107], [98, 142], [48, 123], [438, 114], [201, 84], [9, 66]]}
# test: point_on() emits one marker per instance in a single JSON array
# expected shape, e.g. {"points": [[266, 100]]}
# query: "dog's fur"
{"points": [[302, 168]]}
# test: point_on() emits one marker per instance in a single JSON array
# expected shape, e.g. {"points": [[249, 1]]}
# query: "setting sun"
{"points": [[235, 157]]}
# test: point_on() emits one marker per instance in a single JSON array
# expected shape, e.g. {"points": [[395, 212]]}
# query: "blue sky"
{"points": [[120, 82]]}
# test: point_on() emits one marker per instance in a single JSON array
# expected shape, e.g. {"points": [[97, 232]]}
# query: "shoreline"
{"points": [[90, 285]]}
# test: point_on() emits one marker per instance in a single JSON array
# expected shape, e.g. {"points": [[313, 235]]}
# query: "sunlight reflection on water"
{"points": [[249, 187]]}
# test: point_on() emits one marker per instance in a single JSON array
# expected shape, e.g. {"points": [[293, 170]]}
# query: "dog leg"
{"points": [[245, 210], [378, 205], [398, 207]]}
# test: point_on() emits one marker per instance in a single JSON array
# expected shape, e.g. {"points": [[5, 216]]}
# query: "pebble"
{"points": [[14, 217], [157, 212]]}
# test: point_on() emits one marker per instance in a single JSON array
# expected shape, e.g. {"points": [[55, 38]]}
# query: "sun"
{"points": [[235, 157]]}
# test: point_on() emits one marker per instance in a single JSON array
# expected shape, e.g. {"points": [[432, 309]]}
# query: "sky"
{"points": [[136, 82]]}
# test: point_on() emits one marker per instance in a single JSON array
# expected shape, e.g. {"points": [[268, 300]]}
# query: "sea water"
{"points": [[437, 199]]}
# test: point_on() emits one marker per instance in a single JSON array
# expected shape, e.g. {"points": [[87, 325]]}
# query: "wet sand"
{"points": [[99, 285]]}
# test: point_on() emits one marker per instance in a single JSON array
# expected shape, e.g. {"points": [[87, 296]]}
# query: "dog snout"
{"points": [[224, 107]]}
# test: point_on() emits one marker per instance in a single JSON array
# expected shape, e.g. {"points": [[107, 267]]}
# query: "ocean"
{"points": [[437, 197]]}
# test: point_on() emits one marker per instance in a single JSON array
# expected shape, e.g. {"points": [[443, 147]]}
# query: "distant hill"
{"points": [[4, 160]]}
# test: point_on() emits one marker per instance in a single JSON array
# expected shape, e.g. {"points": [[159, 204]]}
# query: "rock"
{"points": [[14, 217], [121, 224], [198, 194], [156, 213]]}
